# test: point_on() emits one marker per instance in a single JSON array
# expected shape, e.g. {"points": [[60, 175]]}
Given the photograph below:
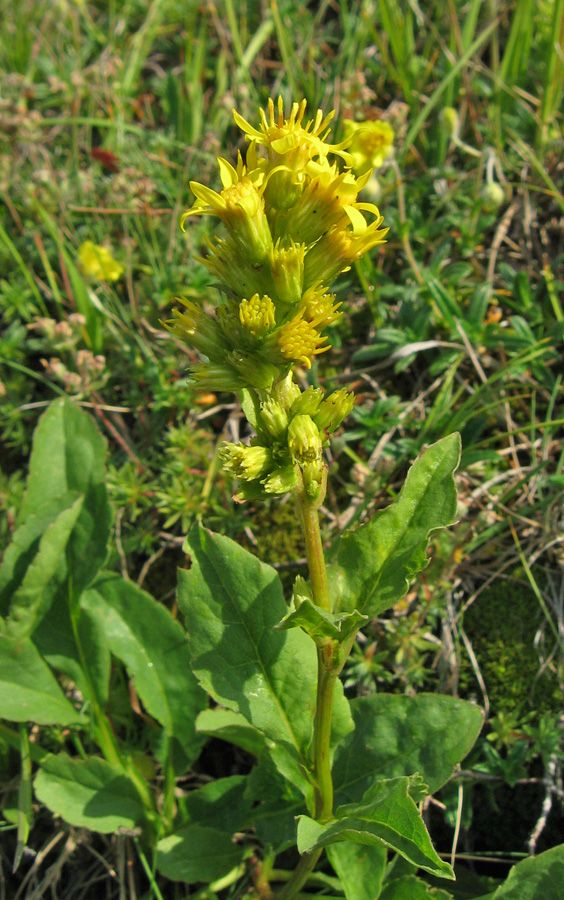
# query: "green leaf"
{"points": [[376, 563], [24, 546], [323, 626], [412, 888], [386, 815], [359, 867], [198, 853], [142, 633], [396, 735], [232, 727], [29, 692], [276, 803], [222, 804], [32, 599], [88, 793], [537, 878], [68, 455], [232, 602], [55, 639]]}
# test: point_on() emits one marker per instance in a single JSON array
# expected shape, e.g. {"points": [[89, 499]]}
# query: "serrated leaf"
{"points": [[359, 867], [385, 815], [88, 793], [232, 727], [68, 455], [321, 625], [198, 853], [412, 888], [537, 878], [142, 633], [29, 692], [376, 563], [232, 602], [396, 735], [32, 598]]}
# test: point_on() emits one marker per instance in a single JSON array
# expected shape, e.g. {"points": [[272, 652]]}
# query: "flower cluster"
{"points": [[293, 223]]}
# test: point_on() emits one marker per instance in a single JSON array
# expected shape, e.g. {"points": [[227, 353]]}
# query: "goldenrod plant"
{"points": [[330, 797], [292, 223]]}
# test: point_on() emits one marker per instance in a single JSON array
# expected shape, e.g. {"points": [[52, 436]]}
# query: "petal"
{"points": [[227, 173], [358, 221]]}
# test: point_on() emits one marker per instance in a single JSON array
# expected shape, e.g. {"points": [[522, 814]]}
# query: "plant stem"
{"points": [[299, 877], [309, 519], [326, 677]]}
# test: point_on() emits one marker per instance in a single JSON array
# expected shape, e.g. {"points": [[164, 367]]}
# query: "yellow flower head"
{"points": [[299, 341], [241, 207], [329, 198], [370, 143], [291, 146], [98, 262], [320, 306], [338, 249]]}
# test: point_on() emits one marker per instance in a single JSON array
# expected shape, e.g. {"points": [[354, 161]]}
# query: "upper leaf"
{"points": [[396, 735], [232, 602], [386, 815], [153, 646], [322, 626], [376, 563], [68, 455]]}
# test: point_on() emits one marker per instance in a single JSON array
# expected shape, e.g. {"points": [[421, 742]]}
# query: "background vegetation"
{"points": [[107, 111]]}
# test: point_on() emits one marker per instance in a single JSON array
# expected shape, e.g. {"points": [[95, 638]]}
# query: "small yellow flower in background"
{"points": [[97, 262], [371, 143]]}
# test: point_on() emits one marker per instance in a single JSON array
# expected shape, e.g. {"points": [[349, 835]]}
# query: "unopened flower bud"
{"points": [[307, 403], [274, 418], [257, 315], [287, 272], [312, 473], [281, 480], [248, 463], [333, 410], [286, 391], [304, 439], [255, 372]]}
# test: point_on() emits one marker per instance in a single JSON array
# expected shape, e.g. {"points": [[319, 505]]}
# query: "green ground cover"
{"points": [[107, 111]]}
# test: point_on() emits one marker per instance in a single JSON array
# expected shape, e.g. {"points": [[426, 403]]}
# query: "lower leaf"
{"points": [[198, 853], [88, 793]]}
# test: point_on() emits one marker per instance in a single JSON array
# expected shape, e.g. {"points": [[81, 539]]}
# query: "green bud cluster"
{"points": [[289, 442]]}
